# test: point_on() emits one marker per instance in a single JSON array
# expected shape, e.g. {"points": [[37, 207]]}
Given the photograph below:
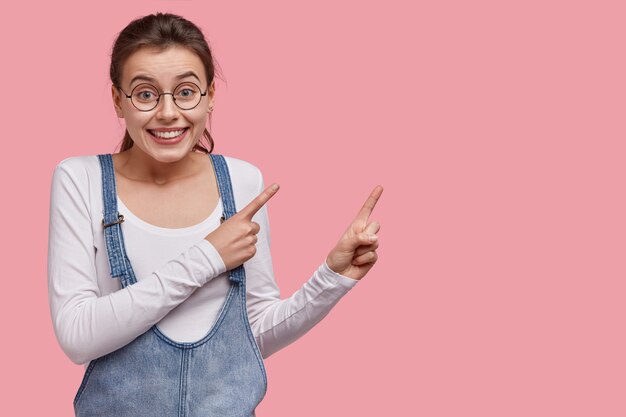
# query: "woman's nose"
{"points": [[166, 108]]}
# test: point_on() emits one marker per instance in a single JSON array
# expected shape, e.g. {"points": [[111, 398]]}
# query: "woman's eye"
{"points": [[146, 95], [186, 92]]}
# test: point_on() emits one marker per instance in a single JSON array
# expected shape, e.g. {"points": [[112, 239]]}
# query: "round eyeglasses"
{"points": [[145, 97]]}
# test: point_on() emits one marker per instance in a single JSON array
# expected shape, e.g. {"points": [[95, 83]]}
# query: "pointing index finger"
{"points": [[260, 200], [369, 204]]}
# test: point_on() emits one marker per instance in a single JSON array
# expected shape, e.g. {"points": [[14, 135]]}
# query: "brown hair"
{"points": [[161, 31]]}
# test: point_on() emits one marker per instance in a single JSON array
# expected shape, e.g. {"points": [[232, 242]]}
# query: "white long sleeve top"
{"points": [[182, 281]]}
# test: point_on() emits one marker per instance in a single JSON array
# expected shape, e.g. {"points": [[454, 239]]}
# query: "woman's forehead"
{"points": [[163, 66]]}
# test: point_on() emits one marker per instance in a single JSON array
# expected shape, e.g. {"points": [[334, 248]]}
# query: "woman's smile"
{"points": [[168, 138]]}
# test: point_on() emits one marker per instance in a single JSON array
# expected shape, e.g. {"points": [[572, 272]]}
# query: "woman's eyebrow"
{"points": [[143, 77]]}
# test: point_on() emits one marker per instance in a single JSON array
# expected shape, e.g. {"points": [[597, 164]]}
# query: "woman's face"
{"points": [[163, 70]]}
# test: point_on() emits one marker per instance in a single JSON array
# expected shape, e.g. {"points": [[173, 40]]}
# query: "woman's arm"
{"points": [[87, 324], [277, 323]]}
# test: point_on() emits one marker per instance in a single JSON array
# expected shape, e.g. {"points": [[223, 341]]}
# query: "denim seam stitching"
{"points": [[255, 347], [182, 395]]}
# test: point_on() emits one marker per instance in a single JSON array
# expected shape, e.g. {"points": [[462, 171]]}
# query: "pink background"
{"points": [[497, 130]]}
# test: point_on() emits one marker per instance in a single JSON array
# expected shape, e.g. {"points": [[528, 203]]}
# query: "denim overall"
{"points": [[220, 375]]}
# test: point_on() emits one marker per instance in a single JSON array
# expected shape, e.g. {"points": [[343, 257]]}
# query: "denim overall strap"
{"points": [[118, 261], [228, 202]]}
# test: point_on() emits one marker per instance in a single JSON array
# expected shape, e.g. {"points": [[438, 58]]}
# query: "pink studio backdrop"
{"points": [[497, 130]]}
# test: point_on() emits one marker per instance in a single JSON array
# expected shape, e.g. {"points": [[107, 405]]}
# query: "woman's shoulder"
{"points": [[241, 167], [77, 168], [76, 179], [247, 178], [76, 164]]}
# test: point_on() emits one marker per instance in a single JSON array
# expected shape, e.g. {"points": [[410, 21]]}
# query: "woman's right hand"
{"points": [[235, 239]]}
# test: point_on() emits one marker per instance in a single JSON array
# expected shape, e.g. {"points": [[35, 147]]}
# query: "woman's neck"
{"points": [[138, 166]]}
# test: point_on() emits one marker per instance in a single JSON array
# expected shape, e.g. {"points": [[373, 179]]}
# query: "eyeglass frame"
{"points": [[158, 100]]}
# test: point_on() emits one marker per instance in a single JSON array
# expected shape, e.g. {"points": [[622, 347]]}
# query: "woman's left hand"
{"points": [[355, 253]]}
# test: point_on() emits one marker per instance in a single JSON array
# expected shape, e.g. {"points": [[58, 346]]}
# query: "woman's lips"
{"points": [[168, 141]]}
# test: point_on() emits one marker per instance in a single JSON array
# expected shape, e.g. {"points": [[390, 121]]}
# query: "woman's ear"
{"points": [[117, 102], [211, 97]]}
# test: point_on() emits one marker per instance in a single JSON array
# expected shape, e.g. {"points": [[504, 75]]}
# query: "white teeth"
{"points": [[167, 135]]}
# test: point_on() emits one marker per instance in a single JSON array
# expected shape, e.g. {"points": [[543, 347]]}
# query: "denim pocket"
{"points": [[83, 384]]}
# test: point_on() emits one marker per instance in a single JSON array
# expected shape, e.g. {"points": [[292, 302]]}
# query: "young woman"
{"points": [[160, 274]]}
